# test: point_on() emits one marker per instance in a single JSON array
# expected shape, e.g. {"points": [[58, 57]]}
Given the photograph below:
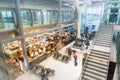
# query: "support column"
{"points": [[21, 30], [60, 21], [31, 14], [79, 18], [4, 75]]}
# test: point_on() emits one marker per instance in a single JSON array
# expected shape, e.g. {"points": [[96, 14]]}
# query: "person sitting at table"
{"points": [[14, 62], [36, 53], [21, 57], [39, 51], [31, 53]]}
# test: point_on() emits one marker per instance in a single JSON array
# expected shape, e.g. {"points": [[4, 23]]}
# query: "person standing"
{"points": [[69, 52], [85, 56], [75, 58]]}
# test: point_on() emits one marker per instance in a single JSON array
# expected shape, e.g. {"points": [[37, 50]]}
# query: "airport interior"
{"points": [[59, 39]]}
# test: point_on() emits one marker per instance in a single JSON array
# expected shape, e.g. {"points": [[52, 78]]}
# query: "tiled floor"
{"points": [[63, 71]]}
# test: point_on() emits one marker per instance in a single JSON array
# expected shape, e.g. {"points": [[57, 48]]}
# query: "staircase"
{"points": [[96, 66]]}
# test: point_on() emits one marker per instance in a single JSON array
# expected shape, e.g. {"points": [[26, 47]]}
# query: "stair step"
{"points": [[96, 68], [97, 75], [97, 65], [96, 51], [89, 77], [107, 35], [102, 42], [96, 72], [98, 62], [84, 78], [100, 56], [104, 36], [100, 53], [103, 45], [105, 30]]}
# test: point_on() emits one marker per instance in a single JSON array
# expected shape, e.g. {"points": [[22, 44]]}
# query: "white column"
{"points": [[60, 21], [79, 18]]}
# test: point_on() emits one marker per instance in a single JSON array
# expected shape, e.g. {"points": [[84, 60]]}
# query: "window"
{"points": [[26, 18], [54, 16], [46, 16], [114, 10], [69, 15], [6, 20], [113, 18], [1, 22], [64, 16], [37, 17]]}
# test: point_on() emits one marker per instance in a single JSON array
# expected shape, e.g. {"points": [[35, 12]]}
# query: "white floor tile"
{"points": [[63, 71]]}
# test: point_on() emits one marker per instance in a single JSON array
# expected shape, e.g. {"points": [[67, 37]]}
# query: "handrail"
{"points": [[92, 45], [80, 77]]}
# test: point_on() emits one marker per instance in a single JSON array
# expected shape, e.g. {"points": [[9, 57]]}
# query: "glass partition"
{"points": [[6, 19], [54, 15], [3, 68], [37, 17], [68, 35], [46, 16], [41, 46], [69, 16], [14, 58], [26, 18], [93, 18], [118, 53], [64, 16]]}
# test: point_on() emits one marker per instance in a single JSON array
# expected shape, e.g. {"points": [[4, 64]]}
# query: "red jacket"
{"points": [[75, 56]]}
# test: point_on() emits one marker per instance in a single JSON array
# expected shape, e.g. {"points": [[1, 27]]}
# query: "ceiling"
{"points": [[48, 2]]}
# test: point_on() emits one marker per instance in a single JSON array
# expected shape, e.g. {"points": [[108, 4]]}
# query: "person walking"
{"points": [[69, 52], [85, 56], [75, 58]]}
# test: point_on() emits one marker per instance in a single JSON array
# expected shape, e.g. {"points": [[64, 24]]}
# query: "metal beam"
{"points": [[33, 34], [67, 25], [21, 30], [11, 39], [38, 33]]}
